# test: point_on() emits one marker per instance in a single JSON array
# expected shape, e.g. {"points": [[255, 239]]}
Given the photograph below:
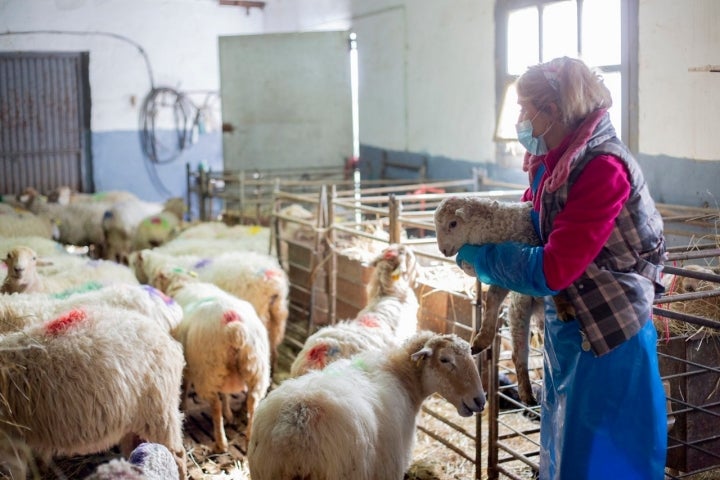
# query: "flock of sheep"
{"points": [[97, 352]]}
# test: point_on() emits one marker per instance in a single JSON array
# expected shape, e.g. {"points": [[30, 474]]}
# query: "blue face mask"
{"points": [[534, 145]]}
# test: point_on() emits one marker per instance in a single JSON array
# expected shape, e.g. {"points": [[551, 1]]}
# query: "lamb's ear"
{"points": [[421, 354], [461, 214]]}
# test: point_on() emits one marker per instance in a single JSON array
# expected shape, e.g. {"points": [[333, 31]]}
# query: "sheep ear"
{"points": [[461, 213], [421, 354]]}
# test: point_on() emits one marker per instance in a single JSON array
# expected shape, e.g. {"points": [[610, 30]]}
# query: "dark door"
{"points": [[44, 121]]}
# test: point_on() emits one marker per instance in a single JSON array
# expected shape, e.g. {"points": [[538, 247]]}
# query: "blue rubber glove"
{"points": [[511, 265]]}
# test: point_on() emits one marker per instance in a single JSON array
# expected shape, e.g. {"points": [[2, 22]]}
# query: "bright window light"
{"points": [[601, 33], [559, 30], [523, 40]]}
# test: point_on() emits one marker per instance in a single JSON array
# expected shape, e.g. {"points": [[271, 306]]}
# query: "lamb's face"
{"points": [[451, 371], [449, 227], [21, 265]]}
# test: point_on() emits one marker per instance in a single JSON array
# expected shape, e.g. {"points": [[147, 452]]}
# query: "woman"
{"points": [[603, 407]]}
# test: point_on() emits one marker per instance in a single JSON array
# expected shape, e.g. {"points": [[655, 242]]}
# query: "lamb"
{"points": [[59, 273], [478, 220], [389, 318], [88, 379], [226, 346], [20, 311], [255, 277], [355, 420], [156, 230]]}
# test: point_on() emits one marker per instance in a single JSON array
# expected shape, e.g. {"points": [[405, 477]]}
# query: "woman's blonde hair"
{"points": [[569, 83]]}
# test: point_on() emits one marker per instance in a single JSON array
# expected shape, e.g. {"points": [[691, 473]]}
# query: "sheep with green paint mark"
{"points": [[356, 419]]}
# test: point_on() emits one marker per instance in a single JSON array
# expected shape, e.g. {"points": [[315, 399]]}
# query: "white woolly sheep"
{"points": [[65, 196], [356, 419], [43, 246], [479, 220], [20, 311], [27, 273], [156, 230], [149, 461], [17, 222], [254, 238], [226, 347], [88, 379], [389, 318], [120, 222], [255, 277], [77, 223]]}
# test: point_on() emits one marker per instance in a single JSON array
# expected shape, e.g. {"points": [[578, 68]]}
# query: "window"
{"points": [[600, 32]]}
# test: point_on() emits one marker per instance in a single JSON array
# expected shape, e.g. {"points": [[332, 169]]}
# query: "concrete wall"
{"points": [[426, 79]]}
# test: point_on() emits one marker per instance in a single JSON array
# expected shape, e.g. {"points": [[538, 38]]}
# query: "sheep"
{"points": [[120, 222], [27, 273], [356, 419], [225, 343], [156, 230], [78, 223], [389, 318], [88, 379], [478, 220], [65, 196], [254, 238], [42, 246], [149, 461], [19, 311], [17, 222], [255, 277]]}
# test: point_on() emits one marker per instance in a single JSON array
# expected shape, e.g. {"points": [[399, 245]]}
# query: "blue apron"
{"points": [[602, 417]]}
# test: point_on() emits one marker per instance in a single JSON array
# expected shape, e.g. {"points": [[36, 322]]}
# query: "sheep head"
{"points": [[457, 219], [22, 274], [448, 368], [394, 271]]}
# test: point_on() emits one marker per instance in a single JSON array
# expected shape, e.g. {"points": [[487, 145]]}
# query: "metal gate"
{"points": [[44, 121]]}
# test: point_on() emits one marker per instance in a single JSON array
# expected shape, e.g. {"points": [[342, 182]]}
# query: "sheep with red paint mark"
{"points": [[251, 276], [356, 419], [20, 311], [88, 379], [388, 319], [226, 347]]}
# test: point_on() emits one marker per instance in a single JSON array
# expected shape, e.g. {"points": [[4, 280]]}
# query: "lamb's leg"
{"points": [[221, 443], [491, 315], [519, 315]]}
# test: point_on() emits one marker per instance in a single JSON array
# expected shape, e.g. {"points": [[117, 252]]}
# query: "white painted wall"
{"points": [[428, 85], [179, 36], [679, 109], [445, 77]]}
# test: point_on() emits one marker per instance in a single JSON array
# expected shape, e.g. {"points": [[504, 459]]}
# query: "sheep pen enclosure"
{"points": [[326, 257]]}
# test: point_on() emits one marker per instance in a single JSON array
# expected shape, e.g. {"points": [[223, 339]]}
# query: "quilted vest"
{"points": [[613, 298]]}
